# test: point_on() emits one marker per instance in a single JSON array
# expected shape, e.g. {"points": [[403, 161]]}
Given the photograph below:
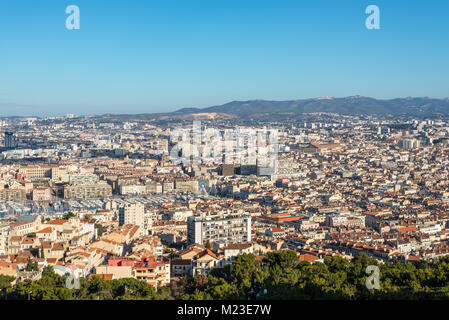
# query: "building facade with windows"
{"points": [[226, 228]]}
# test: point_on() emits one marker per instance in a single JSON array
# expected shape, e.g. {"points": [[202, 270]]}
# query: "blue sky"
{"points": [[136, 56]]}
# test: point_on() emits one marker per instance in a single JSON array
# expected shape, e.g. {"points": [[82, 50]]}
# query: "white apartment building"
{"points": [[410, 143], [4, 235], [132, 213], [226, 228]]}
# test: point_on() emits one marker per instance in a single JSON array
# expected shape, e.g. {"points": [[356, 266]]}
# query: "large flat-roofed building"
{"points": [[153, 187], [249, 169], [41, 194], [12, 194], [132, 189], [227, 169], [226, 228], [43, 172], [94, 191], [36, 172], [186, 185]]}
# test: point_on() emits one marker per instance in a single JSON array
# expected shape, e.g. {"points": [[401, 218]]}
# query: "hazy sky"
{"points": [[135, 56]]}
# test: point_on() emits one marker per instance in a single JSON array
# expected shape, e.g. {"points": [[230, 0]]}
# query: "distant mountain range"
{"points": [[354, 105], [416, 107]]}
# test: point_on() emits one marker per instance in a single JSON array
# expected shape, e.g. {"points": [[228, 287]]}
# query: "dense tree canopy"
{"points": [[280, 275], [31, 265], [68, 215], [52, 286]]}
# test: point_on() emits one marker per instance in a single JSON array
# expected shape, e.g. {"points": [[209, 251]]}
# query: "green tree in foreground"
{"points": [[280, 275], [31, 265]]}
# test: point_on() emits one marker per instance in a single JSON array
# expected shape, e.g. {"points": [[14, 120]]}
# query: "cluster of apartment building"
{"points": [[111, 202]]}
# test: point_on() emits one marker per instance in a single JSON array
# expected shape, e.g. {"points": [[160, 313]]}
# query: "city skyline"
{"points": [[103, 204], [132, 57]]}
